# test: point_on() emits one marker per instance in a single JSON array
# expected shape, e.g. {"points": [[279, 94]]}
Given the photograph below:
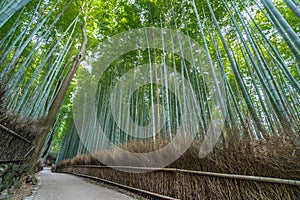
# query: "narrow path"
{"points": [[67, 187]]}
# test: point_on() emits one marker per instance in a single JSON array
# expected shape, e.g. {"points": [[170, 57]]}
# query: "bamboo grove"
{"points": [[252, 46]]}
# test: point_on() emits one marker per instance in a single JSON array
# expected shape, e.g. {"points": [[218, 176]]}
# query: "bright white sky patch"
{"points": [[87, 66]]}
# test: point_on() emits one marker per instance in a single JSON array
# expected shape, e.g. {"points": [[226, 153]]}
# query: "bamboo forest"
{"points": [[168, 99]]}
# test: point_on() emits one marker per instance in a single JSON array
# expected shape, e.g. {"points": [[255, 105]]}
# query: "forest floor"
{"points": [[63, 186], [26, 192]]}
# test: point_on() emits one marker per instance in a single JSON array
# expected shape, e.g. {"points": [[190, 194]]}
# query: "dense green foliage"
{"points": [[255, 58]]}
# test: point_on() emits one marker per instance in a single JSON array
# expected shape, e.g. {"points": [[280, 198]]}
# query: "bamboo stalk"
{"points": [[283, 28], [10, 9], [293, 7]]}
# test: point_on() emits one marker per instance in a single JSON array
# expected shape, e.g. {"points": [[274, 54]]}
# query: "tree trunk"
{"points": [[47, 122]]}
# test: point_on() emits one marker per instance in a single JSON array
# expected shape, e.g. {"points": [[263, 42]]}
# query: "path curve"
{"points": [[64, 186]]}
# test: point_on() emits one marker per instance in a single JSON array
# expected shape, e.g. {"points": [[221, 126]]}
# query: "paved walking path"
{"points": [[67, 187]]}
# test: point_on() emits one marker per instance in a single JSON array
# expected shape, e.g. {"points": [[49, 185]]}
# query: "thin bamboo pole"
{"points": [[214, 174]]}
